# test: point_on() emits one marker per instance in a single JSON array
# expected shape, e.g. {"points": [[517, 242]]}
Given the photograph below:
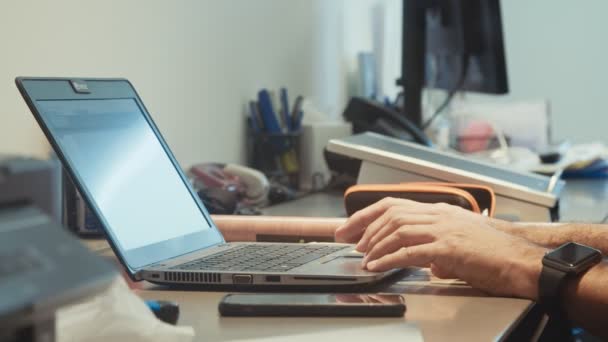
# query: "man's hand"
{"points": [[454, 242]]}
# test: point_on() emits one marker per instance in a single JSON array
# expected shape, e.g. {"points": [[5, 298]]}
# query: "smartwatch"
{"points": [[567, 261]]}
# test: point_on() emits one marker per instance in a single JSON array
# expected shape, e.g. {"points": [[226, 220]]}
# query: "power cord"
{"points": [[452, 92]]}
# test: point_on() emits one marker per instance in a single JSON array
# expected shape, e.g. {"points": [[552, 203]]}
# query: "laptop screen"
{"points": [[129, 177]]}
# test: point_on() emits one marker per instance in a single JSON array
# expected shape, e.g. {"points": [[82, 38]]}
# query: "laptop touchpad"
{"points": [[355, 257], [353, 254]]}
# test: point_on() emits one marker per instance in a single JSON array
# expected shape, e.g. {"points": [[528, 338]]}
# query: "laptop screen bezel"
{"points": [[40, 89]]}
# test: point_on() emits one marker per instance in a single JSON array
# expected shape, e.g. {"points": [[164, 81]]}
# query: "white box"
{"points": [[314, 173]]}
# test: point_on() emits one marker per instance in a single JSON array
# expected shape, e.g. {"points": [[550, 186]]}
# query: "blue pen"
{"points": [[297, 114], [297, 125], [285, 110], [269, 118]]}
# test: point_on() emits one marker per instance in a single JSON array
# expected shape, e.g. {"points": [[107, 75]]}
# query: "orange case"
{"points": [[477, 198]]}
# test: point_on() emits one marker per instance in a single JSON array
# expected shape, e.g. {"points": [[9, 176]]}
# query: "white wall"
{"points": [[195, 63], [373, 26], [557, 49]]}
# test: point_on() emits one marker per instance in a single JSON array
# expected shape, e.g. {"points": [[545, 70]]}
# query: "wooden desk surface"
{"points": [[440, 313], [437, 310]]}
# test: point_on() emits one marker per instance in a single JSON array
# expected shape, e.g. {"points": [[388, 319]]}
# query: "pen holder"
{"points": [[276, 155]]}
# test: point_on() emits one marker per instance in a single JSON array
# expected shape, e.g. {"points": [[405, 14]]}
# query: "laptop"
{"points": [[153, 219]]}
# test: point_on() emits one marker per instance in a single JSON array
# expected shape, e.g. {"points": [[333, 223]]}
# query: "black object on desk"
{"points": [[367, 115], [307, 304], [167, 312], [77, 216], [275, 154], [42, 267], [35, 181]]}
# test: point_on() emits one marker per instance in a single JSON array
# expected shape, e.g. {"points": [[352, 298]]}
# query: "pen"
{"points": [[271, 124], [296, 114], [285, 110]]}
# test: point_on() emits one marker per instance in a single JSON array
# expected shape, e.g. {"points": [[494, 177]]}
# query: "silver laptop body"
{"points": [[340, 267], [153, 219]]}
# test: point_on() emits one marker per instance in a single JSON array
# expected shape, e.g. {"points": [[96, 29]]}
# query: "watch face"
{"points": [[573, 255]]}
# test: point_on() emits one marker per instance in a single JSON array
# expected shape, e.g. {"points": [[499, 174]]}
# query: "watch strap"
{"points": [[550, 283]]}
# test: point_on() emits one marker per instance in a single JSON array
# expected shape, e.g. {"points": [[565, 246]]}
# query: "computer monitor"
{"points": [[453, 45]]}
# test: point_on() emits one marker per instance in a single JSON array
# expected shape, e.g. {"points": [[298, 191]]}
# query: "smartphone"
{"points": [[284, 304]]}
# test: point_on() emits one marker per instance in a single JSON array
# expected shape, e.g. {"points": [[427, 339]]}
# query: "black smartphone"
{"points": [[287, 304]]}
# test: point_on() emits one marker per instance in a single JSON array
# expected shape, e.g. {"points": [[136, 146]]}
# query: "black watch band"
{"points": [[567, 261], [550, 283]]}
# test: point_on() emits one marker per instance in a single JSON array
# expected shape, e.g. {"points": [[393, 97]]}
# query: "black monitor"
{"points": [[455, 45]]}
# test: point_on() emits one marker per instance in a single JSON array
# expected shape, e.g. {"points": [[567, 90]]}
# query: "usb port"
{"points": [[274, 279]]}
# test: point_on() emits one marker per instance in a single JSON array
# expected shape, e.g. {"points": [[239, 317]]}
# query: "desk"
{"points": [[453, 316], [584, 200], [440, 312], [320, 204]]}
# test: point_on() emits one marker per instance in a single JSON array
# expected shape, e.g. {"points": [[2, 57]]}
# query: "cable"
{"points": [[440, 109], [452, 92]]}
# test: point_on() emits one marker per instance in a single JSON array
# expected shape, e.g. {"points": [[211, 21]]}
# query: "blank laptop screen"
{"points": [[125, 170]]}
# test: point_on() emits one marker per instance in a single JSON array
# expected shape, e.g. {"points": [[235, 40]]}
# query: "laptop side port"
{"points": [[242, 279], [273, 279]]}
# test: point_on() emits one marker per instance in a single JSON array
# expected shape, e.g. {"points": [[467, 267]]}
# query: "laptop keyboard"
{"points": [[267, 258]]}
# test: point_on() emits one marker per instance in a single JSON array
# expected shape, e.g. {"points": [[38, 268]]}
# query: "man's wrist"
{"points": [[529, 267]]}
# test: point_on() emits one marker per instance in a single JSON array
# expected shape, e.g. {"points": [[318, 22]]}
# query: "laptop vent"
{"points": [[197, 278]]}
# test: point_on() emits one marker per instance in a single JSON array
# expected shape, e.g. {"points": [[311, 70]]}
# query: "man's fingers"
{"points": [[348, 235], [355, 226], [395, 210], [382, 221], [420, 255], [403, 220], [442, 273], [405, 236]]}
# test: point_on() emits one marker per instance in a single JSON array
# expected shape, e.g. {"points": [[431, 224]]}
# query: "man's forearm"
{"points": [[586, 300], [552, 235]]}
